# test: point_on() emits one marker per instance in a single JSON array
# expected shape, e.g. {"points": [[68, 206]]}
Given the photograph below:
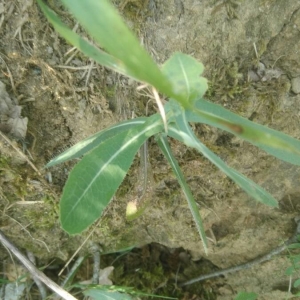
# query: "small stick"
{"points": [[95, 250], [249, 264], [143, 169], [74, 68], [83, 243], [10, 77], [256, 54], [37, 281], [91, 66], [20, 153], [74, 268], [33, 270]]}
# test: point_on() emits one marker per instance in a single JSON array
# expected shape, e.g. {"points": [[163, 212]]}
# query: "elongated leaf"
{"points": [[165, 148], [294, 246], [104, 24], [94, 140], [296, 283], [83, 45], [100, 294], [182, 132], [96, 292], [274, 142], [246, 296], [184, 72], [95, 179]]}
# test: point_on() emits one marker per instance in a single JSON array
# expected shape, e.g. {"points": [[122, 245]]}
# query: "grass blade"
{"points": [[101, 294], [96, 292], [274, 142], [186, 136], [105, 25], [95, 179], [165, 148], [94, 140], [181, 80], [246, 296], [83, 45]]}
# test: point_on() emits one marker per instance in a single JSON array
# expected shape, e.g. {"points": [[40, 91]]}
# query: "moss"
{"points": [[13, 179], [110, 92], [152, 270], [226, 82], [45, 215], [268, 95]]}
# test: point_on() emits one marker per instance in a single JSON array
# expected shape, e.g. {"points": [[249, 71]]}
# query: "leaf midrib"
{"points": [[148, 128]]}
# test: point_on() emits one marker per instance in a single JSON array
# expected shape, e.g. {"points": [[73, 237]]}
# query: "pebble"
{"points": [[296, 85]]}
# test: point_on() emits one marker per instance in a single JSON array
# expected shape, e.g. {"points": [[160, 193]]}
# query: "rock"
{"points": [[296, 85]]}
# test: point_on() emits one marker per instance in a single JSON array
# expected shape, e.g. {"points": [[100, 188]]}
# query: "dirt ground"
{"points": [[251, 53]]}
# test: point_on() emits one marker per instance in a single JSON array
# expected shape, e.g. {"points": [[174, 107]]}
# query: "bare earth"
{"points": [[251, 53]]}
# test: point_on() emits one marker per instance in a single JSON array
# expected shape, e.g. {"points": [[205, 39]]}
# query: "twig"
{"points": [[37, 281], [24, 228], [70, 50], [89, 235], [143, 172], [74, 268], [20, 153], [10, 77], [249, 264], [33, 270], [91, 66], [71, 57], [95, 250], [74, 68]]}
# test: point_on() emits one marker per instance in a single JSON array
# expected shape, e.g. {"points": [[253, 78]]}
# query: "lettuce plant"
{"points": [[108, 154]]}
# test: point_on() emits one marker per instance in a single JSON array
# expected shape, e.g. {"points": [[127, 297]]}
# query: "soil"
{"points": [[251, 53]]}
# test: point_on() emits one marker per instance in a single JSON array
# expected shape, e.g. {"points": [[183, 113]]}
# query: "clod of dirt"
{"points": [[11, 121]]}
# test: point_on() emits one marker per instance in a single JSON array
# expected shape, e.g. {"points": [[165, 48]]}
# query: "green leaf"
{"points": [[96, 291], [83, 45], [165, 148], [99, 294], [95, 179], [246, 296], [296, 283], [294, 246], [184, 72], [295, 260], [105, 25], [94, 140], [182, 132], [127, 56], [290, 270], [274, 142]]}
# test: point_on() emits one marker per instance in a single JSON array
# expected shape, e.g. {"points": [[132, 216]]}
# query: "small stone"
{"points": [[49, 50], [252, 76], [296, 85]]}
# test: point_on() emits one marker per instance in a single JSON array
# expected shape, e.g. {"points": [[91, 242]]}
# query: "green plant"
{"points": [[109, 153], [117, 292], [295, 265], [246, 296]]}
